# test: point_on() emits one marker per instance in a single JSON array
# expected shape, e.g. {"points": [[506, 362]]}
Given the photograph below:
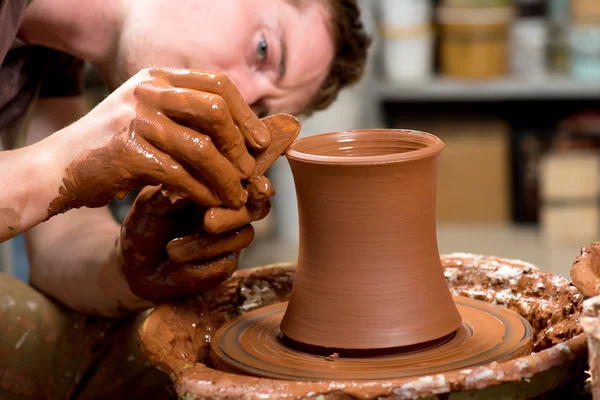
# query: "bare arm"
{"points": [[73, 255], [29, 183], [83, 258]]}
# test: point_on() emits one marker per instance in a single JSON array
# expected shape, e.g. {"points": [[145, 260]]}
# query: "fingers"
{"points": [[153, 221], [218, 220], [259, 188], [202, 245], [180, 280], [209, 114], [202, 276], [154, 201], [169, 172], [254, 131], [199, 152], [149, 226]]}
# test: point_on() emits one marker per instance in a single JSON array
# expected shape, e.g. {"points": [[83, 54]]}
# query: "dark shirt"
{"points": [[28, 71]]}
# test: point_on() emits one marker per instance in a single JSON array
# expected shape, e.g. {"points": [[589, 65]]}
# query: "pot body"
{"points": [[368, 273]]}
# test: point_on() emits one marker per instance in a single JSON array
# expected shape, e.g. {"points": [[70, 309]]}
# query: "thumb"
{"points": [[201, 246], [148, 227], [156, 200]]}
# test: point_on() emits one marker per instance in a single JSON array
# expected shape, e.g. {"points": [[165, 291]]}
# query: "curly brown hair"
{"points": [[351, 44]]}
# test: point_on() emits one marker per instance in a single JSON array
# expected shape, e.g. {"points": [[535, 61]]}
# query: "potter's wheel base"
{"points": [[252, 345]]}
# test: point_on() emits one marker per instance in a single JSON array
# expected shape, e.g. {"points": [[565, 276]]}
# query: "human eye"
{"points": [[262, 49]]}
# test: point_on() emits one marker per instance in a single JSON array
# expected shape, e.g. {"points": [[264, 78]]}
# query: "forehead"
{"points": [[306, 27]]}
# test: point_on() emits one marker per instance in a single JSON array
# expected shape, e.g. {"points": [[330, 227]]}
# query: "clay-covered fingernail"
{"points": [[261, 136], [237, 197], [218, 220], [259, 188]]}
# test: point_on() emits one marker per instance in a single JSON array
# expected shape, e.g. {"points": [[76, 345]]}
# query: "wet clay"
{"points": [[10, 223], [46, 349], [149, 228], [586, 276], [252, 345], [590, 321], [190, 132], [550, 303], [173, 337], [208, 241], [585, 270], [260, 188], [369, 273], [203, 245], [218, 220], [284, 130]]}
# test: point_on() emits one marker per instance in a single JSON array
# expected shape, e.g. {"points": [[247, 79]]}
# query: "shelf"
{"points": [[445, 89]]}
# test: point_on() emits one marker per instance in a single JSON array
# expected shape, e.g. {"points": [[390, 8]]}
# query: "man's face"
{"points": [[276, 52]]}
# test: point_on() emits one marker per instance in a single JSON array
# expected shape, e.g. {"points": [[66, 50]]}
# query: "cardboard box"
{"points": [[474, 178], [575, 224], [570, 175], [585, 11]]}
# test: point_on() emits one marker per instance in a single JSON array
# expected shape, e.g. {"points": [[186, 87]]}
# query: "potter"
{"points": [[189, 85]]}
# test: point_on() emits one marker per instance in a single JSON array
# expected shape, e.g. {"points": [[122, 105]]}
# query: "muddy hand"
{"points": [[192, 262], [284, 129], [189, 130]]}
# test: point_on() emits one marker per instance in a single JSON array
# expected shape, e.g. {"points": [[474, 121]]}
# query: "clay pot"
{"points": [[369, 273]]}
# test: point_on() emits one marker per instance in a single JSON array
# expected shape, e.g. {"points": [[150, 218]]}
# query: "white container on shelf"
{"points": [[405, 26], [408, 58], [396, 13], [584, 45], [529, 47]]}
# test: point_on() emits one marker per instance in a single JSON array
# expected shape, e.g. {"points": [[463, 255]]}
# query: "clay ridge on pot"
{"points": [[176, 337]]}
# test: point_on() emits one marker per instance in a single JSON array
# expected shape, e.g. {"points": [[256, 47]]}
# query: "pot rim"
{"points": [[432, 145]]}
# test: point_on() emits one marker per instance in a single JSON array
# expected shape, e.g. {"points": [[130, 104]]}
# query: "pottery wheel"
{"points": [[252, 344]]}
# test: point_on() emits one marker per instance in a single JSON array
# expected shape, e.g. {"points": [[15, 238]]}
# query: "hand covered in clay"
{"points": [[188, 130], [284, 130], [165, 253], [171, 248]]}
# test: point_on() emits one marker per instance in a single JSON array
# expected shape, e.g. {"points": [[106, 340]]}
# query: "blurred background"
{"points": [[513, 89]]}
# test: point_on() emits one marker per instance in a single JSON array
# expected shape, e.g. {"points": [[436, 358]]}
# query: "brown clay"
{"points": [[9, 223], [203, 245], [549, 302], [284, 129], [174, 336], [190, 132], [586, 270], [369, 273], [259, 188], [207, 242], [252, 345], [218, 220], [586, 276], [150, 228], [590, 322]]}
